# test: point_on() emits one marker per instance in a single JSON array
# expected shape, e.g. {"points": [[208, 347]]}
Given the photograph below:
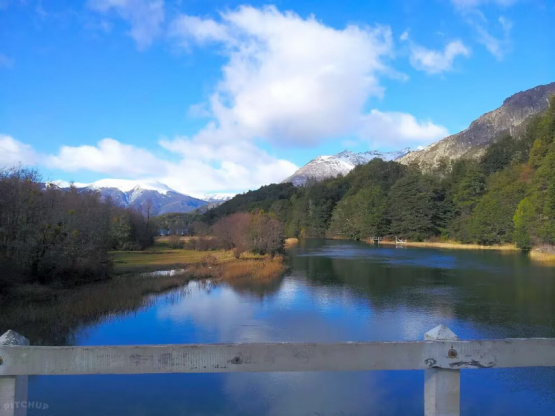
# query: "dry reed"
{"points": [[451, 245], [542, 257], [291, 242]]}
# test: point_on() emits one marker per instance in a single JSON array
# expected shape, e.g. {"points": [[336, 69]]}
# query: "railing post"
{"points": [[442, 388], [13, 389]]}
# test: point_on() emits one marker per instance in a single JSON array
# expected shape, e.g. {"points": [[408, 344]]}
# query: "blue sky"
{"points": [[213, 96]]}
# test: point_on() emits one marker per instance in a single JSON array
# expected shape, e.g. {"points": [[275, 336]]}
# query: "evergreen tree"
{"points": [[492, 218], [411, 207], [361, 215]]}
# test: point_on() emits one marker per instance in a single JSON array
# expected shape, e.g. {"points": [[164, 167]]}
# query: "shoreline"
{"points": [[544, 256], [453, 245], [145, 269]]}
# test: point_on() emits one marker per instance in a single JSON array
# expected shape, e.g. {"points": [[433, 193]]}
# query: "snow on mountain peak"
{"points": [[137, 194], [216, 197], [126, 185], [324, 167]]}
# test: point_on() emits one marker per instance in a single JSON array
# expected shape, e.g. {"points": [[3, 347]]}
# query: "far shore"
{"points": [[544, 255], [450, 245]]}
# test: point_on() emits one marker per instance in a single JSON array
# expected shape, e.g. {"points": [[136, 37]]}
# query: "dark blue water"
{"points": [[335, 291]]}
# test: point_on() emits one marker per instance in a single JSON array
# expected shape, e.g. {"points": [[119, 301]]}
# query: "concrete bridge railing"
{"points": [[442, 355]]}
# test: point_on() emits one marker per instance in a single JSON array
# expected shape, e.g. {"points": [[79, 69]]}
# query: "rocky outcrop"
{"points": [[510, 118]]}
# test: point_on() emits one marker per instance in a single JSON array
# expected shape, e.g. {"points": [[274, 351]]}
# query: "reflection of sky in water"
{"points": [[363, 295]]}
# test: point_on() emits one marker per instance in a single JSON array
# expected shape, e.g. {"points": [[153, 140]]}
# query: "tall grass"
{"points": [[249, 269], [451, 245], [291, 242], [259, 270], [50, 316], [546, 258]]}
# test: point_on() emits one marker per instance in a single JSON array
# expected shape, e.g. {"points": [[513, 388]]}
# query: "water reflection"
{"points": [[335, 291], [172, 272]]}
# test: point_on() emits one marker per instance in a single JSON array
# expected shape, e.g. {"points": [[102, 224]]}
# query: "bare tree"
{"points": [[234, 232]]}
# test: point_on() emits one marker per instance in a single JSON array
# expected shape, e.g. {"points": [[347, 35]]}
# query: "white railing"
{"points": [[442, 355]]}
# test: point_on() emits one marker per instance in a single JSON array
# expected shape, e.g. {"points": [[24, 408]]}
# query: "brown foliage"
{"points": [[242, 232]]}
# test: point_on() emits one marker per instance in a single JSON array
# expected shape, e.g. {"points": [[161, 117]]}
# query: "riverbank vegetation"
{"points": [[504, 198], [50, 235], [32, 307]]}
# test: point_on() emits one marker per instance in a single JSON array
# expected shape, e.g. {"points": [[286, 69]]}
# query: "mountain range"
{"points": [[324, 167], [511, 118], [147, 196]]}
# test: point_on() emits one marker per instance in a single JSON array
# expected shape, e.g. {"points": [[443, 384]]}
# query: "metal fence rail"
{"points": [[441, 355]]}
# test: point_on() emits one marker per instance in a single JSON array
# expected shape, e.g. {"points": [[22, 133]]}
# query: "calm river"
{"points": [[334, 291]]}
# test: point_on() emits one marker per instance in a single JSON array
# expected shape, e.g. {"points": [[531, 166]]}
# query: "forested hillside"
{"points": [[507, 196]]}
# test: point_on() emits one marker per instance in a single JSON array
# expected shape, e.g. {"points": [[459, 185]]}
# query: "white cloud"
{"points": [[187, 27], [495, 38], [144, 16], [399, 128], [14, 152], [203, 166], [435, 62], [499, 45], [213, 161], [6, 61], [279, 83], [287, 80], [108, 157]]}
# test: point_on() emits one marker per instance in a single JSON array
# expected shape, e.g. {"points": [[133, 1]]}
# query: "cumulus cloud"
{"points": [[279, 83], [435, 62], [14, 152], [215, 161], [144, 16], [109, 157], [286, 80], [399, 128], [203, 166]]}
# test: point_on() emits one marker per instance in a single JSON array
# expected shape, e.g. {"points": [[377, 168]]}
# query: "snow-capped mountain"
{"points": [[324, 167], [217, 197], [146, 196]]}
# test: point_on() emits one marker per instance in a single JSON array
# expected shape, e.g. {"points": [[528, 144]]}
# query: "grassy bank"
{"points": [[31, 309], [162, 258], [291, 242], [452, 245], [51, 315], [544, 255]]}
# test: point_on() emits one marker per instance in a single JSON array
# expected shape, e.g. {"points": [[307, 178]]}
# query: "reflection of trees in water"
{"points": [[500, 291], [509, 299], [252, 287], [57, 321]]}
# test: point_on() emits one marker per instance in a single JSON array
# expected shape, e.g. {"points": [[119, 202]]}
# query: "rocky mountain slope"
{"points": [[510, 118], [324, 167], [144, 196]]}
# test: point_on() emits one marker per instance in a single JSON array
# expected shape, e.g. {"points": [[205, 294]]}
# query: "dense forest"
{"points": [[507, 196], [48, 234]]}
